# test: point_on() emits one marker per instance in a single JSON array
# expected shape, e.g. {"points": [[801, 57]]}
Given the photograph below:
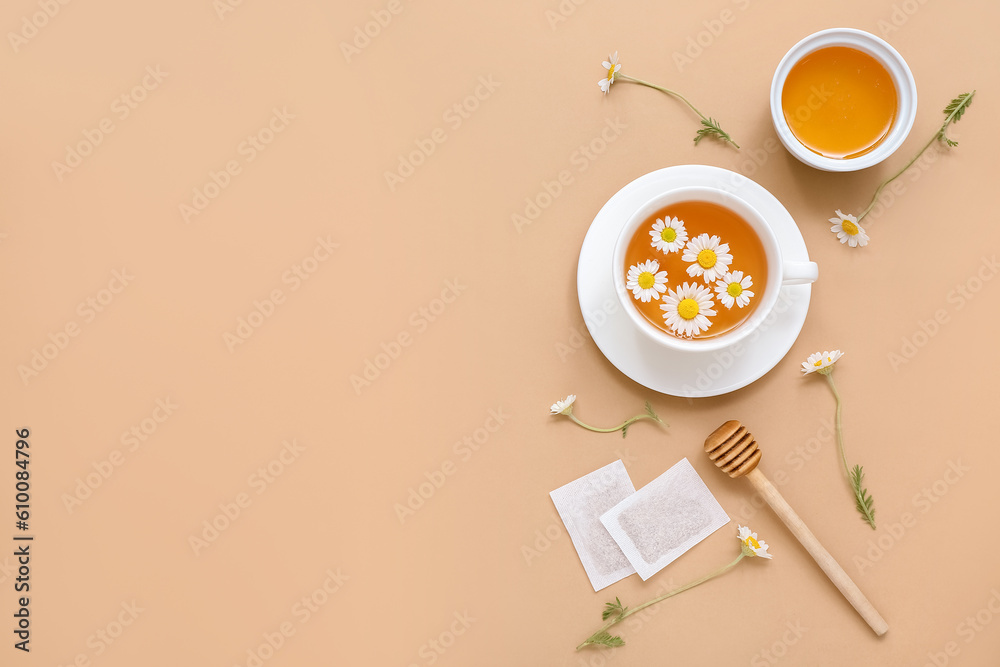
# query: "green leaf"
{"points": [[606, 639], [613, 609], [864, 501], [956, 108], [711, 128], [708, 130], [624, 429], [954, 112], [652, 413]]}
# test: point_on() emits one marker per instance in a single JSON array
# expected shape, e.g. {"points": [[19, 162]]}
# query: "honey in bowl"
{"points": [[839, 102], [695, 270]]}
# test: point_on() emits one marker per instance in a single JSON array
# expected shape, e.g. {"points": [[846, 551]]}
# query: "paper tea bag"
{"points": [[580, 505], [665, 518]]}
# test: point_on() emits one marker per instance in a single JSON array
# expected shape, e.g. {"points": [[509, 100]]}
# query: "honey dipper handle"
{"points": [[822, 557]]}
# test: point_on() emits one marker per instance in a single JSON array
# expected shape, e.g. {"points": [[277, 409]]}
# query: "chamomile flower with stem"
{"points": [[849, 230], [822, 363], [734, 289], [750, 545], [848, 227], [613, 67], [709, 126], [668, 235], [615, 612], [565, 408]]}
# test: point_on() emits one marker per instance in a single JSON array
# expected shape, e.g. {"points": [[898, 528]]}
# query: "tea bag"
{"points": [[580, 505], [665, 518]]}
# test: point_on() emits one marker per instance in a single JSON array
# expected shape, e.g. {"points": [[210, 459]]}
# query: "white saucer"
{"points": [[664, 370]]}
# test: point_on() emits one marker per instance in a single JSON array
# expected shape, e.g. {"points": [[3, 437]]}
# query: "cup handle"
{"points": [[799, 273]]}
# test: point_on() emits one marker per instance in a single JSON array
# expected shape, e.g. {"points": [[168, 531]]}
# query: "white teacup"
{"points": [[779, 271], [888, 57]]}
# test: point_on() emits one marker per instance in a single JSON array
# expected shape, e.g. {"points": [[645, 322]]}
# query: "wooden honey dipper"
{"points": [[733, 449]]}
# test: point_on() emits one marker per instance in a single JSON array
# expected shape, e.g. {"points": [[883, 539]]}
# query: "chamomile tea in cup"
{"points": [[698, 269]]}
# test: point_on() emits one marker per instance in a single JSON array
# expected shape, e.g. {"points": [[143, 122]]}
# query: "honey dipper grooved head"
{"points": [[733, 449]]}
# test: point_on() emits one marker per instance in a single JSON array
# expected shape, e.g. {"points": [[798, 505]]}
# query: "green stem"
{"points": [[673, 93], [855, 485], [625, 424], [696, 582], [840, 428], [899, 173], [938, 136]]}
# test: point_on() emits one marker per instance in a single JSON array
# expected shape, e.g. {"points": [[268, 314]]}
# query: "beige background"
{"points": [[512, 341]]}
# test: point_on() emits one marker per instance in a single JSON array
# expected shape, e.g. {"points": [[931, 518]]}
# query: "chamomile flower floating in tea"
{"points": [[823, 363], [615, 612], [612, 65], [710, 256], [565, 408], [847, 229], [669, 235], [734, 289], [646, 281], [709, 126], [686, 311]]}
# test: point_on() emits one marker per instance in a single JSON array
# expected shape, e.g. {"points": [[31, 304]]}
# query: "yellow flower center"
{"points": [[849, 227], [707, 258], [734, 289], [688, 309], [668, 234], [753, 543], [611, 73], [646, 280], [818, 363]]}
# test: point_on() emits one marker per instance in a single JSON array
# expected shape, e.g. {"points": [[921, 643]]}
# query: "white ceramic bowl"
{"points": [[906, 90], [780, 272]]}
